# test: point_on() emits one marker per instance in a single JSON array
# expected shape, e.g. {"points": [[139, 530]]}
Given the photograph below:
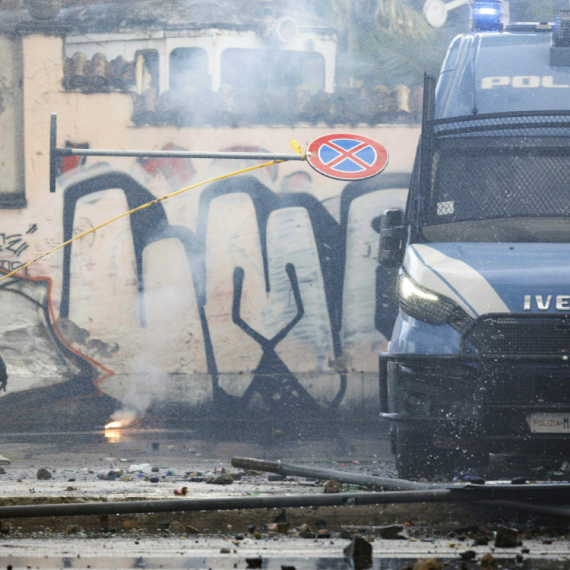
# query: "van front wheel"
{"points": [[416, 457]]}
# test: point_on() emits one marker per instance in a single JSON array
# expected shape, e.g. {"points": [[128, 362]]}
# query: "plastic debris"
{"points": [[109, 474], [142, 468]]}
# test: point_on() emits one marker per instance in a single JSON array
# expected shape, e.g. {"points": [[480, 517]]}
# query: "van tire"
{"points": [[416, 457]]}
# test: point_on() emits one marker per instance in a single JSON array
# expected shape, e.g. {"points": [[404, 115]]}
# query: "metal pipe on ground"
{"points": [[370, 481], [464, 494], [541, 492]]}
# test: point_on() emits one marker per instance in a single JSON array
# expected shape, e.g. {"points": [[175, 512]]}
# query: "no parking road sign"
{"points": [[347, 157]]}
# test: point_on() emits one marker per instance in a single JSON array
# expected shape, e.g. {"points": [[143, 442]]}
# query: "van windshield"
{"points": [[499, 189]]}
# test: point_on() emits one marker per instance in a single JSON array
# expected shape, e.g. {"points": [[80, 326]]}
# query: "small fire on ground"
{"points": [[114, 425]]}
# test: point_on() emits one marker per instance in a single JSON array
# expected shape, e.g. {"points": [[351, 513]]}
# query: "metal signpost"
{"points": [[344, 157]]}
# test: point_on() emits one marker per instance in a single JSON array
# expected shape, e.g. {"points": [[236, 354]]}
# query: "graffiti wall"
{"points": [[254, 293]]}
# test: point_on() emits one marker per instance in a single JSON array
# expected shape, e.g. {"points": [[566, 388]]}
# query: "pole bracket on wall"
{"points": [[56, 153]]}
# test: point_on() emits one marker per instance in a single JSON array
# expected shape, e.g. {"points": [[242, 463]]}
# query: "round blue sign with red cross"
{"points": [[347, 157]]}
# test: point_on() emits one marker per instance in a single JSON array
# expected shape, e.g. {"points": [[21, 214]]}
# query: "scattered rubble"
{"points": [[391, 532], [506, 537], [223, 479], [109, 474], [332, 486], [43, 473], [359, 553]]}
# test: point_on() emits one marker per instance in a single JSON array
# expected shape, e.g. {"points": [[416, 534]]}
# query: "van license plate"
{"points": [[549, 423]]}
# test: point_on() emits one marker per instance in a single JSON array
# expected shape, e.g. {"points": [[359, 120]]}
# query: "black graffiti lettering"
{"points": [[8, 265], [272, 379], [13, 243]]}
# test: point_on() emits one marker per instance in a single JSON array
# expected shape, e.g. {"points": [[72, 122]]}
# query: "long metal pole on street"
{"points": [[467, 494]]}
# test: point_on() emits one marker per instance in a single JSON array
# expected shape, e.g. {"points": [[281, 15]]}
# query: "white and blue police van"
{"points": [[479, 357]]}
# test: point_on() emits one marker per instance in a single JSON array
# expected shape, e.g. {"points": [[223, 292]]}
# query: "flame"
{"points": [[114, 425]]}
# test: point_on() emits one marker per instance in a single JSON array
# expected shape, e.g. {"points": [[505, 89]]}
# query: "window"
{"points": [[268, 70], [189, 68]]}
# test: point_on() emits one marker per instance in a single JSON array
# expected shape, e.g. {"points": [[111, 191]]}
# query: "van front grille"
{"points": [[519, 335]]}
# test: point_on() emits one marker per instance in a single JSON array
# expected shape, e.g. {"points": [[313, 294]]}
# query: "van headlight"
{"points": [[425, 305]]}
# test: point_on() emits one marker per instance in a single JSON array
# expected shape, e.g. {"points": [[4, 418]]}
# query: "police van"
{"points": [[479, 357]]}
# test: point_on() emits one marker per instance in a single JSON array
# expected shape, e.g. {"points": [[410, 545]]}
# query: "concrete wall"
{"points": [[11, 115], [141, 310]]}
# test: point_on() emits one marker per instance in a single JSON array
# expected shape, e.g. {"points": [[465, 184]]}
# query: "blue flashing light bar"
{"points": [[486, 16]]}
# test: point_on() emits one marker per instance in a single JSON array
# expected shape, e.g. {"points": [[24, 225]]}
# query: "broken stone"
{"points": [[177, 527], [192, 530], [4, 461], [251, 528], [323, 533], [468, 554], [155, 469], [506, 537], [43, 473], [359, 553], [332, 486], [223, 479], [225, 551], [254, 562], [153, 479], [391, 532], [488, 560]]}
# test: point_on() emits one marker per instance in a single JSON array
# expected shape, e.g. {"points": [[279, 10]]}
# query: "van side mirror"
{"points": [[392, 238]]}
